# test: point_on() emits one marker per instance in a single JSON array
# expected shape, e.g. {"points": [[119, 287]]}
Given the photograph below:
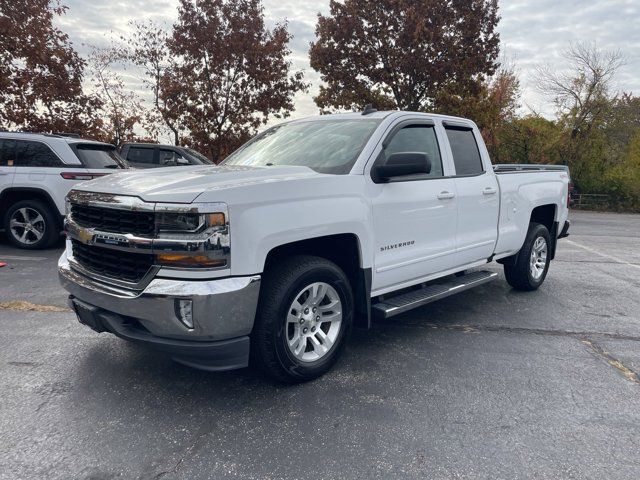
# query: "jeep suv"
{"points": [[36, 173]]}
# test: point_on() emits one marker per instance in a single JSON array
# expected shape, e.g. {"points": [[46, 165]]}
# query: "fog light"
{"points": [[184, 312]]}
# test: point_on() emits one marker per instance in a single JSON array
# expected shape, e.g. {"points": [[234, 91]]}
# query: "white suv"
{"points": [[36, 173]]}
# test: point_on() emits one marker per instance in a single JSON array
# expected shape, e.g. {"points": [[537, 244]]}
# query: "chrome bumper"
{"points": [[222, 308]]}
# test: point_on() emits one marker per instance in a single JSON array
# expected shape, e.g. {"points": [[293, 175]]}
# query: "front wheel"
{"points": [[304, 316], [530, 269]]}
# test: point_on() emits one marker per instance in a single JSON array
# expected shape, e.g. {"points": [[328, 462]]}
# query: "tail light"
{"points": [[569, 192], [81, 175]]}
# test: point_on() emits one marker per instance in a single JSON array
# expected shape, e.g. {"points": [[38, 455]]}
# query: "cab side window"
{"points": [[418, 138], [466, 155], [26, 153]]}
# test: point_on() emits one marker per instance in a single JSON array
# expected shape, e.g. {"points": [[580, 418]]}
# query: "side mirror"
{"points": [[182, 161], [402, 163]]}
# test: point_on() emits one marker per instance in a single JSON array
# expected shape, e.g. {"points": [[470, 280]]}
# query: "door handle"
{"points": [[445, 195], [489, 191]]}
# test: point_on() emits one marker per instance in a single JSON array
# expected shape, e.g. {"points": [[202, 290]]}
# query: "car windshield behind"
{"points": [[326, 146], [99, 156], [198, 156]]}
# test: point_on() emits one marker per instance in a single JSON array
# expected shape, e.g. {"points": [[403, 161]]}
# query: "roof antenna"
{"points": [[368, 109]]}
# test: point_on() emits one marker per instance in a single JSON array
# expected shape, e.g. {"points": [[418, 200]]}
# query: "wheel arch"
{"points": [[546, 215], [12, 195], [345, 251]]}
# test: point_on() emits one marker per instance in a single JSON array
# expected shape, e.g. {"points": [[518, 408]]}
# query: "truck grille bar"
{"points": [[124, 266], [114, 220]]}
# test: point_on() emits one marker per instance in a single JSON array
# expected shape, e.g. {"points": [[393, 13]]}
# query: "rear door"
{"points": [[7, 170], [478, 197], [37, 166]]}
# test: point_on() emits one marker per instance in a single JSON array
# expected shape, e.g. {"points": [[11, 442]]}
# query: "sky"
{"points": [[532, 33]]}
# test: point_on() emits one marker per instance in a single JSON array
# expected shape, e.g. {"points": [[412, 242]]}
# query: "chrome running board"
{"points": [[392, 306]]}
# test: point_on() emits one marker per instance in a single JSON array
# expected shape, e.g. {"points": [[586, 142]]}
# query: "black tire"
{"points": [[280, 287], [519, 275], [50, 226]]}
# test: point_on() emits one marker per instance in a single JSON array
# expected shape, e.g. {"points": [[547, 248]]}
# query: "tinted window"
{"points": [[168, 157], [466, 155], [417, 138], [326, 146], [26, 153], [5, 145], [140, 155], [99, 156]]}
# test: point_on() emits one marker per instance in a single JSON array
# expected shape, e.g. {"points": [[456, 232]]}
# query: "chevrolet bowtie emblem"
{"points": [[85, 236]]}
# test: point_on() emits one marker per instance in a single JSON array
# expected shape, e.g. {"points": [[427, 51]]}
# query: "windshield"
{"points": [[198, 156], [99, 156], [326, 146]]}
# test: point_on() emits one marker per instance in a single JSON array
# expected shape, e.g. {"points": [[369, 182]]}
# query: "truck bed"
{"points": [[527, 167]]}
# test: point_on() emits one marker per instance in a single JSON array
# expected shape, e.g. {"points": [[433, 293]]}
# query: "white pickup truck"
{"points": [[311, 227]]}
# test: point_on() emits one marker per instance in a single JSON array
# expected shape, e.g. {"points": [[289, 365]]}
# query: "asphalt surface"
{"points": [[490, 383]]}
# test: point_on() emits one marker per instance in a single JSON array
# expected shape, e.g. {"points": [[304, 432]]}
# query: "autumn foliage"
{"points": [[234, 72], [405, 54], [40, 72]]}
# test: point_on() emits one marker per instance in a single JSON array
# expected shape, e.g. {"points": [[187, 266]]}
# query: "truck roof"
{"points": [[377, 115]]}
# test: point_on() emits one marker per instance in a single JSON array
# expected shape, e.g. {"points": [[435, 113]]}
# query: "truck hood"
{"points": [[185, 184]]}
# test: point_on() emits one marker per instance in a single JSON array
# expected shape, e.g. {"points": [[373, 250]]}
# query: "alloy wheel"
{"points": [[314, 320]]}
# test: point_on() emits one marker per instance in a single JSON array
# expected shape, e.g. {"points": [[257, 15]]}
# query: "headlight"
{"points": [[188, 222], [192, 239]]}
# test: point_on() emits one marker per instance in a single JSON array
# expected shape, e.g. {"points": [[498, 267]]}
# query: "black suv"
{"points": [[151, 155]]}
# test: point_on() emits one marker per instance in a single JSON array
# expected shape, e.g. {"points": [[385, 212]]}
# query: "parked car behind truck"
{"points": [[311, 227], [151, 155], [36, 173]]}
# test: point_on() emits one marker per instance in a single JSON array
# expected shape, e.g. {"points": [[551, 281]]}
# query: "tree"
{"points": [[148, 48], [40, 72], [529, 139], [405, 54], [583, 98], [233, 72], [121, 109], [581, 93]]}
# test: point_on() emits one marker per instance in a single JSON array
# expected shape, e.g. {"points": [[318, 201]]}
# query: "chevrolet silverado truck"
{"points": [[310, 228]]}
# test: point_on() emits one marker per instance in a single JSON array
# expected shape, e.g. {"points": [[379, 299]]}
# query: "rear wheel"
{"points": [[31, 224], [304, 317], [530, 269]]}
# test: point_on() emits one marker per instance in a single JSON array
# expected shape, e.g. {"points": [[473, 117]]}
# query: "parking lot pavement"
{"points": [[491, 383]]}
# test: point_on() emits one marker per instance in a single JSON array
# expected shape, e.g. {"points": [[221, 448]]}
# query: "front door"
{"points": [[414, 217]]}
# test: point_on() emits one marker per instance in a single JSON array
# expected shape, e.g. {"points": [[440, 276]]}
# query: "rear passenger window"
{"points": [[4, 145], [417, 138], [140, 155], [466, 155], [26, 153]]}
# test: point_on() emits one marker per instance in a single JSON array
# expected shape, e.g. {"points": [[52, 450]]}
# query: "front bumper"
{"points": [[213, 356], [223, 311], [564, 233]]}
